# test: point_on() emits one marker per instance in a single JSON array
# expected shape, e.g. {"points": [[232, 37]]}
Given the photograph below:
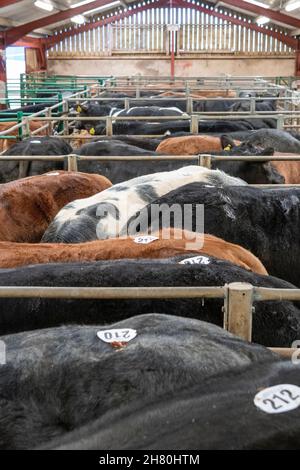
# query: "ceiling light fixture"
{"points": [[44, 5], [257, 3], [78, 19], [78, 4], [261, 20], [292, 6]]}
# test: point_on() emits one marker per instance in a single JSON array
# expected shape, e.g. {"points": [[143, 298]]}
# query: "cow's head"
{"points": [[261, 172], [232, 147]]}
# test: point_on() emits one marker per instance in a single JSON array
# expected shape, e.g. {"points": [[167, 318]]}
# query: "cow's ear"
{"points": [[272, 175], [268, 151], [81, 108], [227, 142]]}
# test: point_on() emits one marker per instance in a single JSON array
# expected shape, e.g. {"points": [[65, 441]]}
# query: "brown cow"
{"points": [[191, 145], [85, 137], [290, 170], [179, 242], [27, 206], [6, 143]]}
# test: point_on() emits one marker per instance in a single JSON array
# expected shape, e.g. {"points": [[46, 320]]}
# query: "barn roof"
{"points": [[41, 23]]}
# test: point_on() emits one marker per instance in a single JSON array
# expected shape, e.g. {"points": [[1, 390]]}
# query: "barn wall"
{"points": [[255, 65]]}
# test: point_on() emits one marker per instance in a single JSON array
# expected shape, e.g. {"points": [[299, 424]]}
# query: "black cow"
{"points": [[159, 128], [207, 417], [280, 140], [148, 111], [252, 172], [210, 416], [29, 109], [217, 412], [55, 381], [265, 221], [119, 171], [33, 146], [274, 323], [146, 144]]}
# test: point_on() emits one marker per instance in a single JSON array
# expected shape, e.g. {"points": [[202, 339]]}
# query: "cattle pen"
{"points": [[149, 228]]}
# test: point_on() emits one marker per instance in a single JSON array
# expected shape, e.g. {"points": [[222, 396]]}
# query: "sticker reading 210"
{"points": [[117, 335], [278, 399]]}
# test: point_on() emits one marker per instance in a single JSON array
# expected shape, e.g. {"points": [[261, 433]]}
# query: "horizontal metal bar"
{"points": [[32, 158], [285, 352], [252, 158], [183, 98], [144, 158], [266, 293], [113, 292]]}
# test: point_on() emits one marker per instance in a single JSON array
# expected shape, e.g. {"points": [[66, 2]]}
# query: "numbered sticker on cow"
{"points": [[145, 239], [195, 260], [278, 399], [117, 335]]}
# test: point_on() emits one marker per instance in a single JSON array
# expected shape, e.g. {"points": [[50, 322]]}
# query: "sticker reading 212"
{"points": [[278, 399], [117, 335]]}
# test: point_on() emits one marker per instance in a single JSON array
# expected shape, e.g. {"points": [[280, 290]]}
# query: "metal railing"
{"points": [[238, 298], [285, 117], [205, 160]]}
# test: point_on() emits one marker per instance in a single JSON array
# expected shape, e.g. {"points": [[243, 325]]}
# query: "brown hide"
{"points": [[288, 169], [190, 145], [85, 138], [27, 206], [6, 143], [179, 242]]}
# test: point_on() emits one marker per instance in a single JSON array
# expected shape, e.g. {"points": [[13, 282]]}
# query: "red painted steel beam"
{"points": [[12, 35], [272, 14], [297, 63], [28, 42], [2, 75], [51, 40], [6, 3], [290, 41]]}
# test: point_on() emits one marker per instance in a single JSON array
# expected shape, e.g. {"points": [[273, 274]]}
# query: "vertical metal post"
{"points": [[238, 312], [194, 124], [66, 122], [20, 129], [72, 163], [205, 160], [109, 126], [48, 113], [280, 121], [189, 105]]}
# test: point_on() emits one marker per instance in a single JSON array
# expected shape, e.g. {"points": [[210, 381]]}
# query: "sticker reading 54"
{"points": [[117, 335], [278, 399]]}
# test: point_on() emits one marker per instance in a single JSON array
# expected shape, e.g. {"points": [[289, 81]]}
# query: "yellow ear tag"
{"points": [[228, 147], [78, 109], [92, 131]]}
